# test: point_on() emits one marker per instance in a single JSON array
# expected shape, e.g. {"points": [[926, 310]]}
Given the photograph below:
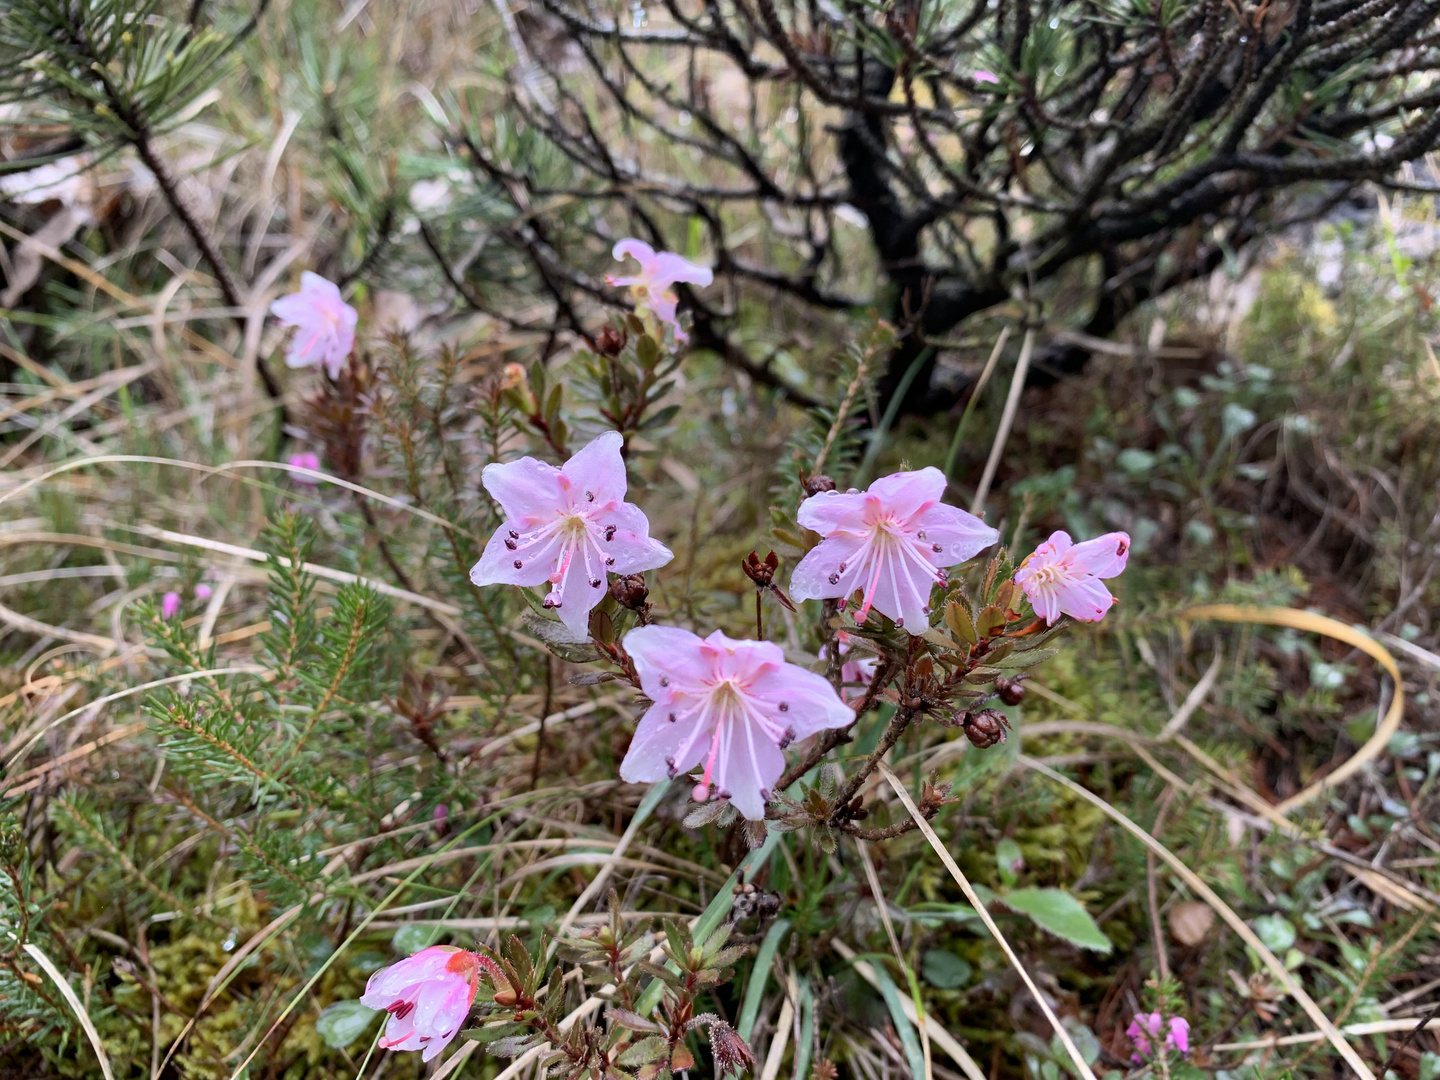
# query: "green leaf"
{"points": [[944, 970], [1276, 931], [412, 937], [649, 1049], [1025, 659], [1009, 860], [495, 1032], [1059, 913], [343, 1022]]}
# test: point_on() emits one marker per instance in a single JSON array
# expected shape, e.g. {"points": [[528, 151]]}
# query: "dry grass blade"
{"points": [[1333, 628], [970, 894], [1222, 909], [70, 999], [1371, 1027], [1012, 406]]}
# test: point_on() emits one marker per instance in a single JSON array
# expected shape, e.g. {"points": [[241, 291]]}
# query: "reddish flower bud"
{"points": [[985, 728], [610, 341], [1012, 690], [762, 573], [814, 485], [630, 591]]}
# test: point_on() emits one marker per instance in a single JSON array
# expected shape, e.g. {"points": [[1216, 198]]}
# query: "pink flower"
{"points": [[305, 460], [170, 605], [651, 288], [203, 592], [986, 77], [1147, 1026], [567, 526], [1064, 577], [325, 324], [854, 674], [736, 705], [891, 541], [428, 996]]}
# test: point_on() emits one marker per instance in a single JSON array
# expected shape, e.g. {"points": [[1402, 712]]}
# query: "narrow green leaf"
{"points": [[1056, 911]]}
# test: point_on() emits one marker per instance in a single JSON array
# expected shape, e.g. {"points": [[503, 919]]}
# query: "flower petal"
{"points": [[317, 288], [597, 469], [658, 740], [527, 490], [497, 564], [668, 652], [640, 251], [630, 545], [670, 268], [1105, 556], [811, 579], [1087, 599], [581, 589], [749, 765], [811, 702], [831, 511], [906, 494], [961, 535]]}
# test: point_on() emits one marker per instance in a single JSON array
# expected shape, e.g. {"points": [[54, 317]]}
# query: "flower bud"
{"points": [[761, 572], [610, 341], [1012, 690], [630, 591], [985, 728], [814, 485]]}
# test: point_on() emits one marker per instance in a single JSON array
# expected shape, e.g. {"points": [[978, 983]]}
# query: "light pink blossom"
{"points": [[1063, 577], [986, 77], [428, 996], [1147, 1026], [652, 288], [305, 460], [733, 705], [170, 605], [203, 592], [325, 324], [891, 542], [856, 672], [568, 527]]}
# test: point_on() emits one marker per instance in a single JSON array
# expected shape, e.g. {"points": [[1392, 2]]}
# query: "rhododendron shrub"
{"points": [[899, 622]]}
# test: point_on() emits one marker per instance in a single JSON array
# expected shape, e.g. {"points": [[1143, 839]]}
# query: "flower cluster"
{"points": [[725, 710], [1148, 1026]]}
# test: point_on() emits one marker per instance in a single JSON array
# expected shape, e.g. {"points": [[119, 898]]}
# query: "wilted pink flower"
{"points": [[428, 995], [891, 542], [735, 705], [651, 288], [203, 592], [305, 460], [1147, 1026], [567, 526], [986, 77], [170, 605], [1064, 577], [855, 673], [325, 324]]}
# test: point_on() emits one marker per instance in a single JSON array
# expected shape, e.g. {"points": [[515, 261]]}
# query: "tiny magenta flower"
{"points": [[324, 324], [305, 460], [203, 592], [428, 996], [733, 705], [1147, 1026], [170, 605], [652, 288], [986, 77], [1063, 577], [890, 542], [569, 527]]}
